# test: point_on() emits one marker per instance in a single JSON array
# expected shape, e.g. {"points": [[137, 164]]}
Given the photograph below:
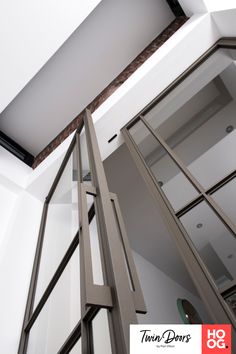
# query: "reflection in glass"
{"points": [[61, 225], [198, 121], [95, 246], [226, 198], [213, 241], [60, 314], [188, 313], [173, 182], [101, 333]]}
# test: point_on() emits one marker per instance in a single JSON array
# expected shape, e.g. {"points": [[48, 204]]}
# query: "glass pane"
{"points": [[173, 182], [61, 225], [214, 242], [60, 314], [101, 333], [226, 198], [77, 348], [86, 172], [198, 122], [95, 246], [231, 301]]}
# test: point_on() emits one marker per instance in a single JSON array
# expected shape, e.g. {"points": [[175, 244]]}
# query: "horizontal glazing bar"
{"points": [[221, 183]]}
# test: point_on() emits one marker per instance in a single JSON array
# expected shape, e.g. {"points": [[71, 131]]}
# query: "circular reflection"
{"points": [[188, 313]]}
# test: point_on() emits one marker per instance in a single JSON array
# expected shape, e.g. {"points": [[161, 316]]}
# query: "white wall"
{"points": [[17, 254], [160, 295], [8, 199], [31, 32], [202, 6]]}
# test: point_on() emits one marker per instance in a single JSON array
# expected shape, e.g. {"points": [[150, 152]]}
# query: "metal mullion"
{"points": [[88, 289], [193, 262], [217, 209], [123, 312], [33, 282], [84, 332], [53, 281]]}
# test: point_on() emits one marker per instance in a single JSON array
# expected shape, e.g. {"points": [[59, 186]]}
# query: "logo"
{"points": [[216, 339], [180, 339]]}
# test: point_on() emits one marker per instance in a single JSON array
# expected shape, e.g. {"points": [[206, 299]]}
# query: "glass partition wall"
{"points": [[184, 144], [84, 290]]}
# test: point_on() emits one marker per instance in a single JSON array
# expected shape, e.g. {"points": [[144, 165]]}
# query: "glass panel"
{"points": [[101, 333], [226, 197], [214, 242], [61, 225], [60, 314], [77, 348], [95, 246], [231, 301], [173, 182], [86, 172], [198, 120]]}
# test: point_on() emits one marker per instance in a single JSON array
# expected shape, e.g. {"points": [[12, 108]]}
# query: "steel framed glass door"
{"points": [[183, 144], [84, 291]]}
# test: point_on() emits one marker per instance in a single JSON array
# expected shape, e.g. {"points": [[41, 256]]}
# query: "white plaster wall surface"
{"points": [[31, 32], [8, 199], [225, 21], [145, 84], [16, 259], [161, 293], [14, 173], [202, 6]]}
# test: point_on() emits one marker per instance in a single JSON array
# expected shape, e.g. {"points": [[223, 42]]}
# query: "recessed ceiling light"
{"points": [[229, 129], [199, 225]]}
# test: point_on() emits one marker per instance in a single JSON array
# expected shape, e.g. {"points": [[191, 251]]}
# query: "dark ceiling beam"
{"points": [[16, 149], [176, 8]]}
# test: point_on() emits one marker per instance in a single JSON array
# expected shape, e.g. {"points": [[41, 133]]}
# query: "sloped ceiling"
{"points": [[103, 45], [30, 33]]}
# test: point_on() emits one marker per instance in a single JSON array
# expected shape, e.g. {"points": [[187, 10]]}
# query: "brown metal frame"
{"points": [[200, 275], [115, 295]]}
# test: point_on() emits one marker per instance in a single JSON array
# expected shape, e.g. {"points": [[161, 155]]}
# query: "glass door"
{"points": [[84, 291], [183, 144]]}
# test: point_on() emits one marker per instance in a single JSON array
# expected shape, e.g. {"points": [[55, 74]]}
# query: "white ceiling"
{"points": [[106, 42], [30, 33]]}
